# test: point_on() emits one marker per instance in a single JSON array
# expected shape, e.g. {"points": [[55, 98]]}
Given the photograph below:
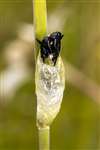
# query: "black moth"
{"points": [[50, 46]]}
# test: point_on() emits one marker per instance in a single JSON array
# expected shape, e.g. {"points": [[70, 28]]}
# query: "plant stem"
{"points": [[40, 22], [44, 138]]}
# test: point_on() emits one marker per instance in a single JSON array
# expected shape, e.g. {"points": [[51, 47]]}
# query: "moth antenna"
{"points": [[62, 35], [38, 41]]}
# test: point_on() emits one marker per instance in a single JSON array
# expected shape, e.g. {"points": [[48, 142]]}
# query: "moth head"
{"points": [[56, 35]]}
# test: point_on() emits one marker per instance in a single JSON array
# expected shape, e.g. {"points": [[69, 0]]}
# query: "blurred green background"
{"points": [[77, 127]]}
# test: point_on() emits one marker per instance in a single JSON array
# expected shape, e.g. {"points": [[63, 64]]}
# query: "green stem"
{"points": [[40, 22], [44, 138]]}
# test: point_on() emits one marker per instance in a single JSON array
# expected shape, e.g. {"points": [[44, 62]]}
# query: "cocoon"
{"points": [[50, 84]]}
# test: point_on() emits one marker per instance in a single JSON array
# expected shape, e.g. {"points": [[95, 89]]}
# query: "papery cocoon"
{"points": [[50, 83]]}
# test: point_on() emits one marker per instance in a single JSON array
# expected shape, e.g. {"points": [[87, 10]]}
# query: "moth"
{"points": [[50, 46]]}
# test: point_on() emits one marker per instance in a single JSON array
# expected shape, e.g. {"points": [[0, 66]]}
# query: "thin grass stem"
{"points": [[40, 22]]}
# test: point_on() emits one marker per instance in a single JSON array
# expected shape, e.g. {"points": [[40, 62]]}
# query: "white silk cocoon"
{"points": [[50, 83]]}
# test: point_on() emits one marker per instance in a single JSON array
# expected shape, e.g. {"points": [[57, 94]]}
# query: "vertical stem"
{"points": [[40, 22], [44, 138]]}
